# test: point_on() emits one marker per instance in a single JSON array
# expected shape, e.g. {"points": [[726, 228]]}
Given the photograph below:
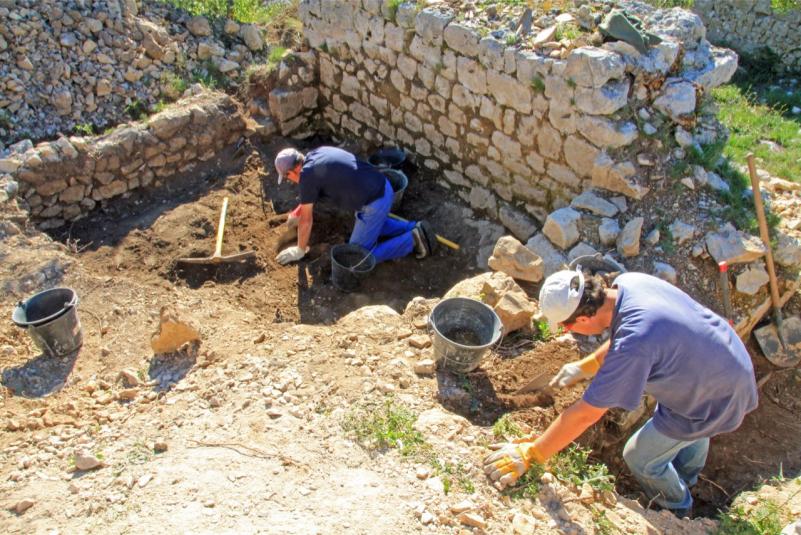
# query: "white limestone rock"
{"points": [[561, 227]]}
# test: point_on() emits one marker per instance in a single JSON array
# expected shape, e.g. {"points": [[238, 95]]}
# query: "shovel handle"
{"points": [[221, 229], [724, 287], [763, 232]]}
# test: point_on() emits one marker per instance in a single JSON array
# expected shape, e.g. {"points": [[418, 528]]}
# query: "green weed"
{"points": [[245, 11], [84, 129], [139, 454], [451, 474], [528, 486], [665, 238], [277, 53], [175, 84], [543, 332], [538, 85], [567, 31], [573, 465], [136, 110], [392, 8], [505, 428], [767, 518], [208, 75], [603, 526], [512, 39], [384, 427]]}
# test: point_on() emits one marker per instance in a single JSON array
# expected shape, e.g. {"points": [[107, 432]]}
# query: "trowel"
{"points": [[538, 384]]}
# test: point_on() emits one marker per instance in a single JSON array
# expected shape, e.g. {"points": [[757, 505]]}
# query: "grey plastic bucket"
{"points": [[463, 331], [388, 158], [399, 182], [350, 263], [51, 319]]}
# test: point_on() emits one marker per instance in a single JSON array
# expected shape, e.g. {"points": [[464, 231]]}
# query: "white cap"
{"points": [[558, 300]]}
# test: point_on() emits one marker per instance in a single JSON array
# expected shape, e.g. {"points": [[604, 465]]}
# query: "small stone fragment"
{"points": [[23, 505], [425, 367], [87, 461], [666, 272], [473, 520], [462, 506], [420, 341]]}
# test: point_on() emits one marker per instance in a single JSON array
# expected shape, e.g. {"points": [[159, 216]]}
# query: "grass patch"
{"points": [[277, 53], [138, 454], [505, 428], [568, 31], [538, 84], [385, 426], [543, 331], [453, 475], [752, 118], [174, 84], [528, 486], [136, 110], [208, 75], [767, 518], [602, 524], [84, 129]]}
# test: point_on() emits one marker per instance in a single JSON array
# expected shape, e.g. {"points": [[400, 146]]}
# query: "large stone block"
{"points": [[462, 39], [604, 133], [580, 155], [677, 99], [395, 37], [165, 124], [426, 53], [604, 100], [552, 259], [285, 104], [550, 142], [593, 67], [561, 227], [617, 177], [509, 147], [518, 223], [509, 92], [628, 242], [516, 260], [472, 75], [490, 53], [430, 24]]}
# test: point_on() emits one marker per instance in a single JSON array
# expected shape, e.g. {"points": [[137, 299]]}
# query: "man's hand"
{"points": [[573, 372], [290, 254], [509, 463]]}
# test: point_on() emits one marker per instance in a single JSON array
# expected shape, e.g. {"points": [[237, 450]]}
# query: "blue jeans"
{"points": [[665, 467], [373, 222]]}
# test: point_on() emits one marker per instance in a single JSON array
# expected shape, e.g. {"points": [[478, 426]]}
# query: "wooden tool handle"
{"points": [[221, 229], [444, 241], [763, 231]]}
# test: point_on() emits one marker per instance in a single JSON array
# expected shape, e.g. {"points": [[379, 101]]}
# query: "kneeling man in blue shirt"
{"points": [[662, 343], [329, 173]]}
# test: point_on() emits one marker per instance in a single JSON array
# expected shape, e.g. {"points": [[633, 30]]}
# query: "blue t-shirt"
{"points": [[680, 352], [329, 173]]}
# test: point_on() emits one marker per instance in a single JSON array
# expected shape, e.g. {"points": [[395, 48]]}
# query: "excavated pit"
{"points": [[143, 235]]}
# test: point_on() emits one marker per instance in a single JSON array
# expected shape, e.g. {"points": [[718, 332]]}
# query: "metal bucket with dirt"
{"points": [[350, 264], [51, 319], [463, 331], [399, 182]]}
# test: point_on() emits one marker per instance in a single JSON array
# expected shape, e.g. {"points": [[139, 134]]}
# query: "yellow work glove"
{"points": [[508, 464], [573, 372]]}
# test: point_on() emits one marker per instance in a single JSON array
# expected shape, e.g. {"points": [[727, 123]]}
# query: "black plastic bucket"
{"points": [[463, 331], [350, 263], [399, 182], [51, 319], [388, 158]]}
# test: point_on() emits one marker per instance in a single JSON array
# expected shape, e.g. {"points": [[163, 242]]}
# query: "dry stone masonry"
{"points": [[517, 131], [749, 26], [62, 180], [65, 63]]}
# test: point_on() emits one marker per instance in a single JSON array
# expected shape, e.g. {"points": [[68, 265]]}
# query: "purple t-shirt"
{"points": [[329, 173], [680, 352]]}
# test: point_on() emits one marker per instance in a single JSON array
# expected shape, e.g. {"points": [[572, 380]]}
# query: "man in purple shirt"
{"points": [[662, 343], [329, 173]]}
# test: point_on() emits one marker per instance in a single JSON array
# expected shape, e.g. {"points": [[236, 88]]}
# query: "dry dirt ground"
{"points": [[252, 420]]}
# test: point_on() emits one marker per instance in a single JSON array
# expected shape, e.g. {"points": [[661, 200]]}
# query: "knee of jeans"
{"points": [[633, 461]]}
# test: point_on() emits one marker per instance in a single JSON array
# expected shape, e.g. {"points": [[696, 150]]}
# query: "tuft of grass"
{"points": [[512, 39], [603, 526], [543, 333], [138, 454], [665, 238], [136, 110], [277, 53], [568, 31], [767, 518], [453, 474], [208, 75], [385, 426], [538, 85], [505, 428], [84, 129], [392, 8], [528, 486], [175, 84]]}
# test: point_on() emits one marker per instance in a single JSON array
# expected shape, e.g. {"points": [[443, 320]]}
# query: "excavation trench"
{"points": [[141, 237]]}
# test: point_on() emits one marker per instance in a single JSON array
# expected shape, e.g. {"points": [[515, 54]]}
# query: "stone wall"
{"points": [[68, 63], [62, 180], [748, 25], [516, 132]]}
